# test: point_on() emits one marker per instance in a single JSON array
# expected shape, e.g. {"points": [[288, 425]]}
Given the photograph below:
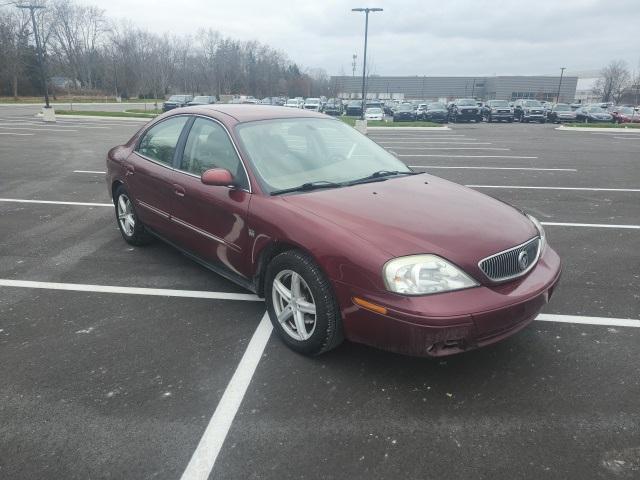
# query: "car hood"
{"points": [[422, 214]]}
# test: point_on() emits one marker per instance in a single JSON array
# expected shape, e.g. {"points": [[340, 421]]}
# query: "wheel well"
{"points": [[267, 254], [114, 187]]}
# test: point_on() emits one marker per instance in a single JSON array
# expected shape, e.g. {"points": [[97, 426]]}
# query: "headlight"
{"points": [[424, 274], [543, 236]]}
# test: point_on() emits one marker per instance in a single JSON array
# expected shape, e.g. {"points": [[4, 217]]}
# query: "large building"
{"points": [[486, 88]]}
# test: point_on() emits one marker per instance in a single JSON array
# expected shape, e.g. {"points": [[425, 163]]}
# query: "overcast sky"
{"points": [[414, 37]]}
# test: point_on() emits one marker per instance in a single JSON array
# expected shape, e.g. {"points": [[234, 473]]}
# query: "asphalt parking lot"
{"points": [[100, 380]]}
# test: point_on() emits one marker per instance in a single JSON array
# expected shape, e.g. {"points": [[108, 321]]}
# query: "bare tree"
{"points": [[614, 79]]}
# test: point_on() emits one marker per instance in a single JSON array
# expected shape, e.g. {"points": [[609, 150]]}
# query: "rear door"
{"points": [[150, 173], [212, 219]]}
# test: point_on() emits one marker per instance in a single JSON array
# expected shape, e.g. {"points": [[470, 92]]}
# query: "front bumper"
{"points": [[449, 323]]}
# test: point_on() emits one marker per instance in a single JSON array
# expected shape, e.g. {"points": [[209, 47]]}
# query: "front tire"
{"points": [[301, 304], [130, 226]]}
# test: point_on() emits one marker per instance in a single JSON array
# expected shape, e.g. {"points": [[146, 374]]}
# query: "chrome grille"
{"points": [[509, 264]]}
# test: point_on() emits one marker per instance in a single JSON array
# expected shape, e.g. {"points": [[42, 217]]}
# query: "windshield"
{"points": [[374, 110], [562, 108], [467, 102], [292, 102], [404, 108], [313, 100], [498, 103], [289, 152], [201, 99], [177, 98], [626, 110], [532, 103]]}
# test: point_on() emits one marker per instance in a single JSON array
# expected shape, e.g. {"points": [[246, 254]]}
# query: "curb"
{"points": [[596, 129]]}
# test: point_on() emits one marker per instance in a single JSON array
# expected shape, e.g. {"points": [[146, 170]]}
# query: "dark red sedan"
{"points": [[340, 237], [625, 115]]}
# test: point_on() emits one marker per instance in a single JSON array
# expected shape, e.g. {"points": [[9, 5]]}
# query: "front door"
{"points": [[213, 218]]}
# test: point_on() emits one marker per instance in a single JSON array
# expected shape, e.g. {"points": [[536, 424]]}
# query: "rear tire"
{"points": [[294, 275], [131, 228]]}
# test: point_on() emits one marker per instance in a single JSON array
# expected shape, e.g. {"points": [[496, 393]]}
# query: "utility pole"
{"points": [[364, 60], [562, 69], [43, 75]]}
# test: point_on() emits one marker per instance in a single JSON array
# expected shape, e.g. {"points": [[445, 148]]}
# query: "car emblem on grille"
{"points": [[523, 259]]}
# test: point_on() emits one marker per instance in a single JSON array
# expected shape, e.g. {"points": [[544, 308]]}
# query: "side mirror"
{"points": [[220, 177]]}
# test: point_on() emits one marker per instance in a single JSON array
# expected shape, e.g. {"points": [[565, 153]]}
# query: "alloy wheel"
{"points": [[294, 305], [125, 215]]}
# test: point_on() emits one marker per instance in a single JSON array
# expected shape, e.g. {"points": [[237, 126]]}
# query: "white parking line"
{"points": [[39, 129], [158, 292], [465, 156], [206, 453], [497, 168], [591, 225], [88, 171], [629, 137], [16, 134], [585, 189], [450, 148], [438, 142], [604, 321], [51, 202]]}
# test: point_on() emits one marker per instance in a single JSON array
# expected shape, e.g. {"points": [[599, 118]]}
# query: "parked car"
{"points": [[261, 203], [374, 113], [333, 107], [312, 104], [528, 111], [435, 112], [420, 109], [404, 113], [202, 100], [465, 109], [354, 108], [561, 112], [176, 101], [498, 110], [593, 114], [294, 103], [388, 107], [625, 115]]}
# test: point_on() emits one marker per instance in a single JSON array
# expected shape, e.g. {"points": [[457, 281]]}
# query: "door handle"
{"points": [[178, 190], [130, 170]]}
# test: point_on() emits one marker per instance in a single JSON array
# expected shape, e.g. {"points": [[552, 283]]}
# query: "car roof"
{"points": [[249, 112]]}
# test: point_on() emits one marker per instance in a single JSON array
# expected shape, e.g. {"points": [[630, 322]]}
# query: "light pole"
{"points": [[364, 59], [562, 69], [31, 8]]}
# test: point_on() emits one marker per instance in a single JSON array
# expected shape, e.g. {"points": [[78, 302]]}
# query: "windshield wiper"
{"points": [[306, 187], [381, 175]]}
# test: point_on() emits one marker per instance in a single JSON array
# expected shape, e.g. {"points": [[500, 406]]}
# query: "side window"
{"points": [[159, 143], [209, 146]]}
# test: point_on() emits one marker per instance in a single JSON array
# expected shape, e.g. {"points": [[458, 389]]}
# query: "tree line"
{"points": [[88, 53], [617, 83]]}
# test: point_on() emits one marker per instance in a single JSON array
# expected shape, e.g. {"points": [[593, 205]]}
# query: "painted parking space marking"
{"points": [[496, 168], [450, 148], [89, 171], [54, 202], [39, 129], [206, 453], [591, 225], [437, 142], [17, 134], [579, 319], [584, 189], [466, 156], [158, 292]]}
